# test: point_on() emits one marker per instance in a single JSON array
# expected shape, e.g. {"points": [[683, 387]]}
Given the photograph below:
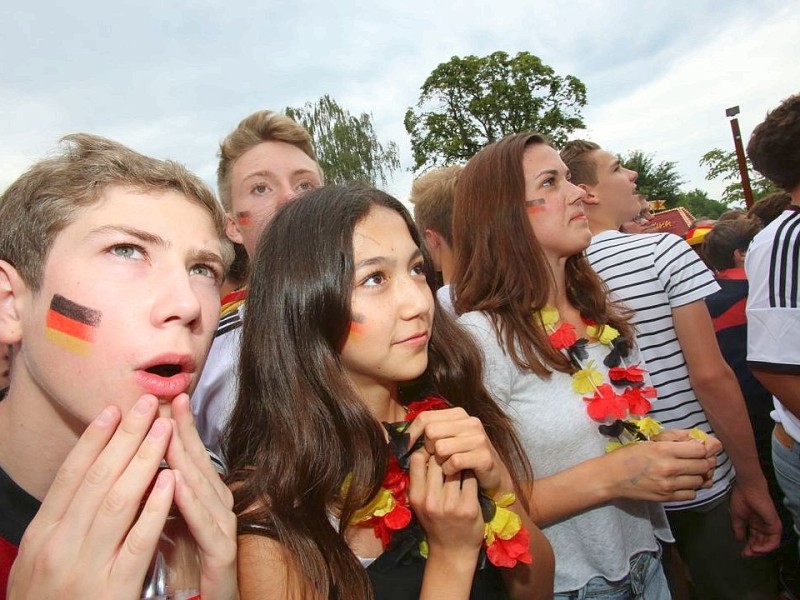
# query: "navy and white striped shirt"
{"points": [[653, 274]]}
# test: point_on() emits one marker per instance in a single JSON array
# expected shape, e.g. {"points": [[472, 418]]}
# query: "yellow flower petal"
{"points": [[506, 500], [587, 379], [423, 547], [382, 504], [613, 445], [605, 334], [505, 524], [488, 534], [648, 426], [698, 434], [549, 316]]}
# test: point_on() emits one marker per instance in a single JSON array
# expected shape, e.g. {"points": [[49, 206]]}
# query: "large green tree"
{"points": [[722, 164], [469, 102], [348, 150], [656, 181]]}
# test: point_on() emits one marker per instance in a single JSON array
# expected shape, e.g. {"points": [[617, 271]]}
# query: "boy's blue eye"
{"points": [[204, 270], [127, 251]]}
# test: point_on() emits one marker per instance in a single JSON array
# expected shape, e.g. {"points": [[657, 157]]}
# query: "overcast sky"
{"points": [[172, 80]]}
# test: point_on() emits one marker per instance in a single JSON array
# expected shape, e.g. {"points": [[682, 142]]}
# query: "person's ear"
{"points": [[232, 230], [432, 240], [738, 257], [590, 196], [13, 294]]}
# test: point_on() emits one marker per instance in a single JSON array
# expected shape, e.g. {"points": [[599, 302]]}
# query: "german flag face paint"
{"points": [[243, 218], [71, 326], [534, 206], [356, 326]]}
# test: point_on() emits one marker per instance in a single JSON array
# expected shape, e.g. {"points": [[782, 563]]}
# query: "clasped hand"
{"points": [[672, 467], [445, 474], [93, 536]]}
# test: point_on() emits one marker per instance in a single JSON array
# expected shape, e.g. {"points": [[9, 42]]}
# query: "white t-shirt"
{"points": [[557, 433], [773, 305], [653, 273], [443, 295], [215, 394]]}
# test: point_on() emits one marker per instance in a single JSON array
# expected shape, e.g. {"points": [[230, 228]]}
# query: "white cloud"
{"points": [[174, 81], [681, 114]]}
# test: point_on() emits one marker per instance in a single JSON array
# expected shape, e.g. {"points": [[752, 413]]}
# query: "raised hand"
{"points": [[87, 536], [206, 504]]}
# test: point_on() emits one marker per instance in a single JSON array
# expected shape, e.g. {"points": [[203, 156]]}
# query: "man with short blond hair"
{"points": [[110, 265], [264, 163], [432, 196]]}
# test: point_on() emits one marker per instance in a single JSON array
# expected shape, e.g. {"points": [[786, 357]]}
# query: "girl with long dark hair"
{"points": [[352, 475], [561, 360]]}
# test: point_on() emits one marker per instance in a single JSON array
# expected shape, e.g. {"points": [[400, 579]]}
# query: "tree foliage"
{"points": [[699, 204], [656, 181], [469, 102], [723, 164], [347, 148]]}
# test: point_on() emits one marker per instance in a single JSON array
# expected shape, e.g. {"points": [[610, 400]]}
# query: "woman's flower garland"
{"points": [[389, 513], [622, 414]]}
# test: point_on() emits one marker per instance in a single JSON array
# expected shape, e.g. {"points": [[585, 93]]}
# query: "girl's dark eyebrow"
{"points": [[546, 172], [382, 260], [372, 261]]}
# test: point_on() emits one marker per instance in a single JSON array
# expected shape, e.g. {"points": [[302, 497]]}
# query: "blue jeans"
{"points": [[786, 462], [646, 581]]}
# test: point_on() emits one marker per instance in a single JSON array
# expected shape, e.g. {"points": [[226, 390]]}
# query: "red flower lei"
{"points": [[506, 542], [622, 414]]}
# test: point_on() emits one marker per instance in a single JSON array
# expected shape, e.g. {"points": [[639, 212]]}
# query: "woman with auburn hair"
{"points": [[353, 477], [561, 360]]}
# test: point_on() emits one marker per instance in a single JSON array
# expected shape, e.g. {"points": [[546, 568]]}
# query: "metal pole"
{"points": [[737, 142]]}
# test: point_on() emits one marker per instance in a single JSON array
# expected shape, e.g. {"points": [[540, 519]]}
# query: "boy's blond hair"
{"points": [[50, 194], [261, 126], [432, 195]]}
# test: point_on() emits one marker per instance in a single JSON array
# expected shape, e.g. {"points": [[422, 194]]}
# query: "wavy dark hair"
{"points": [[299, 428], [774, 147], [501, 268]]}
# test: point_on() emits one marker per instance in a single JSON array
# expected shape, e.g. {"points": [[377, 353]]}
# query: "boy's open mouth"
{"points": [[164, 370]]}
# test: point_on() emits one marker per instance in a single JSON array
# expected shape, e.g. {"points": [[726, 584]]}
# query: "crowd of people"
{"points": [[522, 391]]}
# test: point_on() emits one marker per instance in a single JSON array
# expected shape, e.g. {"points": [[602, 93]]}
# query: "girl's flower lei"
{"points": [[389, 513], [622, 412]]}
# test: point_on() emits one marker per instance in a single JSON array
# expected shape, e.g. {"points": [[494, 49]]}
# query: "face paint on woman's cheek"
{"points": [[535, 206], [243, 218], [356, 329], [71, 325]]}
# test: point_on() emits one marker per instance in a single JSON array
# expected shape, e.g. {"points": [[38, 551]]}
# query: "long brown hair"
{"points": [[298, 428], [501, 268]]}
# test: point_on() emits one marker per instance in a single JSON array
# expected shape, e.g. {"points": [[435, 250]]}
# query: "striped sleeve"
{"points": [[684, 277]]}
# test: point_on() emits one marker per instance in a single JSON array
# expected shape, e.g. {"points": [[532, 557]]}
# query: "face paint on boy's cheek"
{"points": [[243, 218], [71, 326], [534, 206]]}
